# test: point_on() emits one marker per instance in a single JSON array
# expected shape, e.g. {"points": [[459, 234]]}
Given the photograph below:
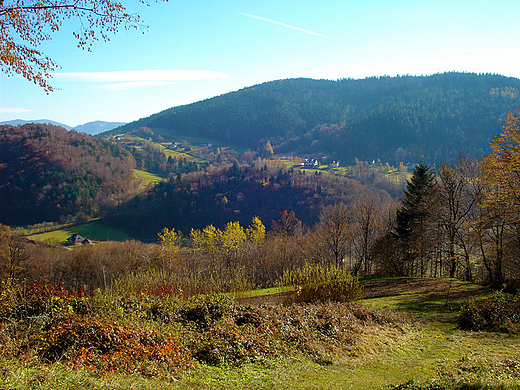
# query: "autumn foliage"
{"points": [[25, 24], [51, 173]]}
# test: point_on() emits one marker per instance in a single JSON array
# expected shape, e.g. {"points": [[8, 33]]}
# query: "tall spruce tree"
{"points": [[411, 217]]}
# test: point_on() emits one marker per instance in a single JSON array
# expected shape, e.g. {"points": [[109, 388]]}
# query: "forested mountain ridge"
{"points": [[47, 172], [408, 118]]}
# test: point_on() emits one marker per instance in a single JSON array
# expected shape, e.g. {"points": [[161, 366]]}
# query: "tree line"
{"points": [[460, 220], [454, 220], [236, 192]]}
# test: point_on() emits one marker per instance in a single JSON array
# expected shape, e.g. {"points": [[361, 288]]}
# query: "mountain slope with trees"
{"points": [[48, 173], [408, 118], [237, 193]]}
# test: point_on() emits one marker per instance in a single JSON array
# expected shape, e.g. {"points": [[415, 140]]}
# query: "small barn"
{"points": [[77, 239]]}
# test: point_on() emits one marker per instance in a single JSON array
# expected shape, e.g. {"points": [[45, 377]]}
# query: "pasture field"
{"points": [[431, 353], [93, 230], [146, 178]]}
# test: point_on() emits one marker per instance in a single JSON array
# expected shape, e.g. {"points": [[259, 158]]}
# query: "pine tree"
{"points": [[411, 217]]}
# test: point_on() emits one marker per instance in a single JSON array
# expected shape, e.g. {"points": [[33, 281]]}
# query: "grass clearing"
{"points": [[93, 230], [147, 178], [434, 350], [262, 292], [439, 307], [197, 140]]}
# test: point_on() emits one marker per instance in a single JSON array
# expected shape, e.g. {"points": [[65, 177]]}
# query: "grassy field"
{"points": [[427, 353], [433, 352], [93, 230], [147, 178]]}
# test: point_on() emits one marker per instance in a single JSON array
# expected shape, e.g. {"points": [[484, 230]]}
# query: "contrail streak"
{"points": [[285, 25]]}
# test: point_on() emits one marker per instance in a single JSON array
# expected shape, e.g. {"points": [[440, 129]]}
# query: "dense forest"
{"points": [[48, 173], [230, 192], [408, 118]]}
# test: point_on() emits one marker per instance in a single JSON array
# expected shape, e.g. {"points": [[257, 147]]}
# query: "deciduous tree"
{"points": [[456, 197], [501, 169], [25, 24], [336, 231], [256, 231], [12, 254], [500, 202], [368, 228]]}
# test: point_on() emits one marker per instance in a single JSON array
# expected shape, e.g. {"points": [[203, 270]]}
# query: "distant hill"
{"points": [[409, 118], [19, 122], [97, 127], [48, 174], [92, 128], [236, 193]]}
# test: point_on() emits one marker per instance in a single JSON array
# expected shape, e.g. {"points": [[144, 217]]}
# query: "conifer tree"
{"points": [[411, 217]]}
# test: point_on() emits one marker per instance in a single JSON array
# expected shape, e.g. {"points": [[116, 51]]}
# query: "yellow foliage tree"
{"points": [[256, 231], [233, 237], [169, 240], [208, 239], [269, 148]]}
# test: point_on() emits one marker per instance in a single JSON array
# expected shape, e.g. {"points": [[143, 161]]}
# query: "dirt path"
{"points": [[384, 287], [371, 289]]}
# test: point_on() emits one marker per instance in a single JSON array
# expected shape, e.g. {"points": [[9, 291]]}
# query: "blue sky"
{"points": [[198, 49]]}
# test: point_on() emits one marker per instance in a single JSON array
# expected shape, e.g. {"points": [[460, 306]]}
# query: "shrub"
{"points": [[182, 283], [98, 344], [38, 299], [499, 313], [321, 283], [204, 309], [470, 373]]}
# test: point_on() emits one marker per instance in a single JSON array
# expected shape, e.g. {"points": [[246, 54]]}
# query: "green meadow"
{"points": [[93, 230]]}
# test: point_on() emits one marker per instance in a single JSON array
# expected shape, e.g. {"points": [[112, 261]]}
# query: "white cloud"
{"points": [[142, 76], [285, 25], [135, 84], [6, 110]]}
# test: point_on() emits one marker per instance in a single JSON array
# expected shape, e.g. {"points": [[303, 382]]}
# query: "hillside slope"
{"points": [[237, 193], [20, 122], [48, 173], [434, 118]]}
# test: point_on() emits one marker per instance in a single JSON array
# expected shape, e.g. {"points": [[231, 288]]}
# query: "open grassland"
{"points": [[146, 178], [180, 153], [93, 230], [327, 346], [198, 140], [435, 301]]}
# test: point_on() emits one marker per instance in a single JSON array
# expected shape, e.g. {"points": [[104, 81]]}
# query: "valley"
{"points": [[295, 234]]}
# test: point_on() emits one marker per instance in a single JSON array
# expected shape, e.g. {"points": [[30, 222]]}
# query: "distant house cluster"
{"points": [[77, 239], [310, 163]]}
